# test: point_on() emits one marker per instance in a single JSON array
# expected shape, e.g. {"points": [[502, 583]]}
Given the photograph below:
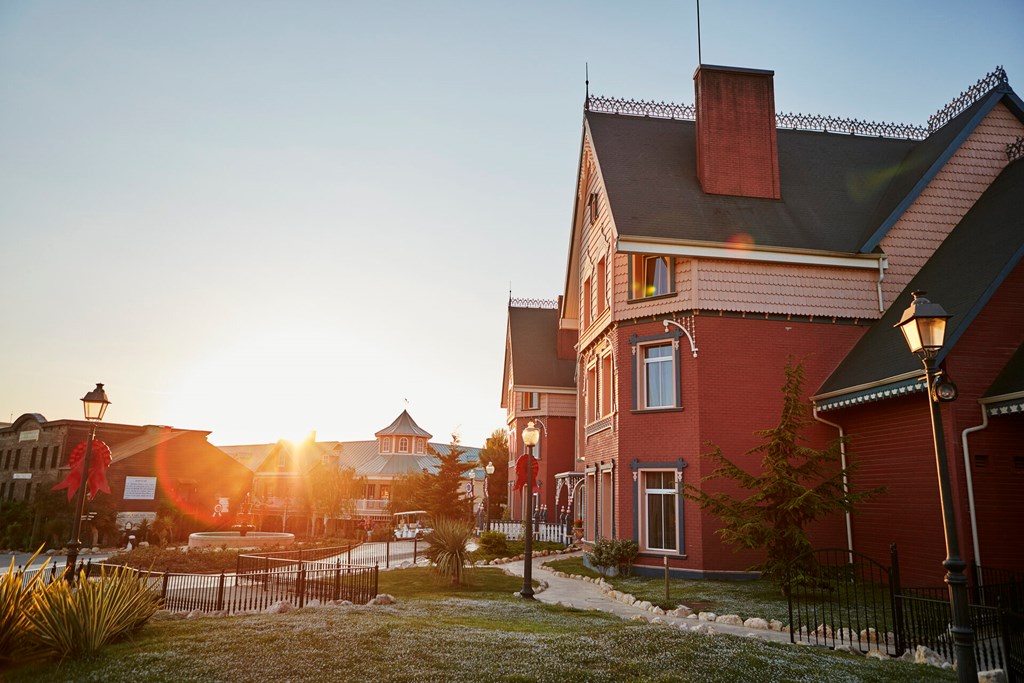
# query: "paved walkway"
{"points": [[589, 596]]}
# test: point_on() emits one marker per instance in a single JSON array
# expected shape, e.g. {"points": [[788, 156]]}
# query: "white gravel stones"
{"points": [[707, 616], [279, 607], [384, 599], [775, 625], [925, 655], [757, 623], [729, 620]]}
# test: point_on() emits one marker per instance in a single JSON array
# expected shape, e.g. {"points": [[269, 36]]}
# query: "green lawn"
{"points": [[479, 632]]}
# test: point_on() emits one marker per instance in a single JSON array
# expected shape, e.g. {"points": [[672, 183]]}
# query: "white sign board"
{"points": [[29, 435], [22, 475], [139, 488], [134, 518]]}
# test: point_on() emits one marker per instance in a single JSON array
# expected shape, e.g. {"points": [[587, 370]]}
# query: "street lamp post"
{"points": [[95, 405], [531, 435], [488, 471], [924, 326]]}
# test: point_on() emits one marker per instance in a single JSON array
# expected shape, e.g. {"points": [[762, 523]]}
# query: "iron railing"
{"points": [[839, 597], [815, 122]]}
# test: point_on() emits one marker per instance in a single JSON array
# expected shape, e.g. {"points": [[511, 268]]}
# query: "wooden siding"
{"points": [[597, 241], [787, 289], [949, 196]]}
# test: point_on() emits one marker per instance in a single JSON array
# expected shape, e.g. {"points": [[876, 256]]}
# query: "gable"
{"points": [[962, 275]]}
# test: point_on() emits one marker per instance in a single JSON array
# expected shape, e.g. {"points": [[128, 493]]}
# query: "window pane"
{"points": [[660, 389], [655, 523], [668, 503], [656, 276]]}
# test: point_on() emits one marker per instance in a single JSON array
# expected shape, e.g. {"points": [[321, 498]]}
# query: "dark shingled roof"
{"points": [[962, 276], [1011, 379], [837, 189], [534, 340]]}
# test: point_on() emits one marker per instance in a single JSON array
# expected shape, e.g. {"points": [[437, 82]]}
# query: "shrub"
{"points": [[626, 551], [492, 544], [15, 598], [602, 554], [73, 621], [606, 553], [447, 549]]}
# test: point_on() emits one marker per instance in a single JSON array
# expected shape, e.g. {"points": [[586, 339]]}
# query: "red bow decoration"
{"points": [[97, 470], [521, 472]]}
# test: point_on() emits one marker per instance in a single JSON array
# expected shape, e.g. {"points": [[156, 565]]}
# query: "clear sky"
{"points": [[266, 218]]}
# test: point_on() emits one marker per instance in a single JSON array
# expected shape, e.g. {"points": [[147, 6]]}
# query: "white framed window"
{"points": [[657, 376], [601, 284], [659, 528], [606, 385], [385, 445], [593, 392], [420, 445], [651, 276], [403, 445], [592, 205]]}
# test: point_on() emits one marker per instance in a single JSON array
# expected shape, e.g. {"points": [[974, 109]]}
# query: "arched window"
{"points": [[385, 445], [420, 443], [403, 445]]}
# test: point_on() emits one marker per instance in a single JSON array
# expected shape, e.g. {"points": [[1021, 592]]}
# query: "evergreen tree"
{"points": [[442, 493], [495, 451], [795, 486]]}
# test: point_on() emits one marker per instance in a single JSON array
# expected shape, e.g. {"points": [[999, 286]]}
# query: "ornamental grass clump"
{"points": [[74, 621], [15, 598], [447, 550]]}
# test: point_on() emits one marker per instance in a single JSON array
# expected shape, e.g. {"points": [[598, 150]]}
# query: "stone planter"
{"points": [[577, 534]]}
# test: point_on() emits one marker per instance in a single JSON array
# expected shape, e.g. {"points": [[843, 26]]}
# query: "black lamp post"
{"points": [[531, 435], [95, 405], [924, 326], [488, 471]]}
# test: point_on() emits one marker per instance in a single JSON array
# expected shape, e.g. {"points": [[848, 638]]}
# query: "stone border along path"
{"points": [[586, 593]]}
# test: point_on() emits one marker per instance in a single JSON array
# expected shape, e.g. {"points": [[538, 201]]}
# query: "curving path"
{"points": [[589, 596]]}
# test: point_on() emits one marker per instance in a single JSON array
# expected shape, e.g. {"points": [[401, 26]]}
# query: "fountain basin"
{"points": [[234, 539]]}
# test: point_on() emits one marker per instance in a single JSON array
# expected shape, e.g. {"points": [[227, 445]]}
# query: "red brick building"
{"points": [[711, 243], [150, 466]]}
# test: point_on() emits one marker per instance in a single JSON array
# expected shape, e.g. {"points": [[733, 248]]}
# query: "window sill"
{"points": [[644, 299], [663, 553], [647, 411]]}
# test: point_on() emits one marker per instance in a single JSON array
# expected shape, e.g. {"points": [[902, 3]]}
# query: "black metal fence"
{"points": [[842, 598], [258, 590], [386, 554]]}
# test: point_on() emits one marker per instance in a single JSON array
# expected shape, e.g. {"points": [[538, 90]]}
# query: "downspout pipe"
{"points": [[970, 486], [846, 482]]}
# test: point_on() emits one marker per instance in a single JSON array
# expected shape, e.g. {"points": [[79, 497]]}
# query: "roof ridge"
{"points": [[814, 122]]}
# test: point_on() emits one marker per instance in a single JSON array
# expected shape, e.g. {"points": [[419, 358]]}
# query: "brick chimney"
{"points": [[737, 152]]}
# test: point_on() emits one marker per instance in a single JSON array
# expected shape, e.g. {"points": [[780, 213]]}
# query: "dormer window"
{"points": [[385, 445], [420, 446], [403, 445], [651, 276]]}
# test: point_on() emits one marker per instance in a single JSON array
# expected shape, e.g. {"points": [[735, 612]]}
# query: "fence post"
{"points": [[415, 548], [163, 589], [896, 598], [349, 551], [337, 580], [387, 553], [302, 586], [220, 592]]}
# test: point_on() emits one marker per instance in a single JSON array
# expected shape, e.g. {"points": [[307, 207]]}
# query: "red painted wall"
{"points": [[893, 445], [731, 390], [557, 455]]}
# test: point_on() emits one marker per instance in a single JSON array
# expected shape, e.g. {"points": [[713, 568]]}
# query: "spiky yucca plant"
{"points": [[447, 550], [15, 598], [71, 622]]}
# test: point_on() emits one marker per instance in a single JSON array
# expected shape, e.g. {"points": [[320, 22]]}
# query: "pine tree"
{"points": [[442, 496], [796, 485]]}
